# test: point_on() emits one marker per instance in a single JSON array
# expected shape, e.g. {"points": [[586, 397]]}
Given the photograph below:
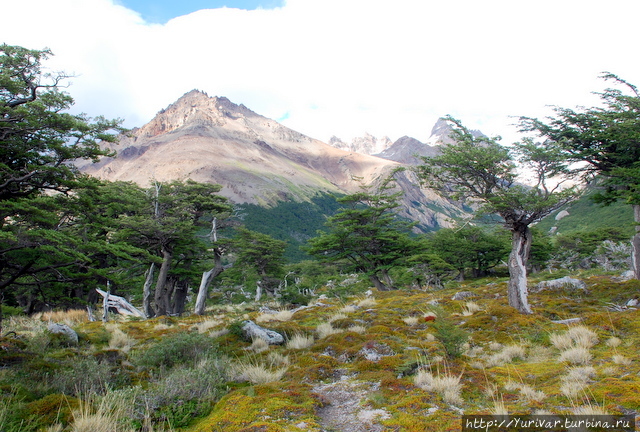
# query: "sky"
{"points": [[336, 67]]}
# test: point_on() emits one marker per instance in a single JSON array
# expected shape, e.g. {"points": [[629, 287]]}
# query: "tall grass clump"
{"points": [[446, 385], [300, 341]]}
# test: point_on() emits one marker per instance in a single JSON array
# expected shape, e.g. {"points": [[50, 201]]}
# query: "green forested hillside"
{"points": [[585, 215], [293, 222]]}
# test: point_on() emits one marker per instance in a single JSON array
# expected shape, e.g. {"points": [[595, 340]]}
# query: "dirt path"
{"points": [[344, 410]]}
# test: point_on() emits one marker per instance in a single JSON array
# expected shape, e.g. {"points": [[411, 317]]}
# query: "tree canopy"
{"points": [[606, 139], [478, 169], [367, 234]]}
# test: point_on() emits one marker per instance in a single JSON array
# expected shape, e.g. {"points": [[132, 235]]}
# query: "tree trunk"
{"points": [[160, 299], [179, 297], [377, 283], [517, 287], [207, 277], [146, 292], [635, 243]]}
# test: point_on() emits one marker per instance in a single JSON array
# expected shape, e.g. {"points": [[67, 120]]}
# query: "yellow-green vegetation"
{"points": [[397, 360]]}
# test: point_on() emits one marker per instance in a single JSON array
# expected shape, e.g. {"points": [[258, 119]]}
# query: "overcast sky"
{"points": [[336, 67]]}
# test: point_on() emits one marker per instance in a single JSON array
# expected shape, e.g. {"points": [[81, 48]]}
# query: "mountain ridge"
{"points": [[255, 159]]}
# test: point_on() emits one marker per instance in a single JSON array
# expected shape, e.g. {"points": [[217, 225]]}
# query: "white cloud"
{"points": [[341, 67]]}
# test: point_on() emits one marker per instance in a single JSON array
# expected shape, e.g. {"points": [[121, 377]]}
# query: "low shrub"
{"points": [[179, 348]]}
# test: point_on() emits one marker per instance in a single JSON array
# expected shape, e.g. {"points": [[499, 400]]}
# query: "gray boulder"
{"points": [[65, 331], [562, 283], [252, 331]]}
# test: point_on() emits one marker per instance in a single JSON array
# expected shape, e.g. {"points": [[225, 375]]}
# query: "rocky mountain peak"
{"points": [[195, 108], [368, 144]]}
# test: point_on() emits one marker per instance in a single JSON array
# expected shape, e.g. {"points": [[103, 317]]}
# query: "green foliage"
{"points": [[290, 221], [606, 137], [450, 335], [585, 243], [176, 349], [470, 247], [258, 251], [585, 214], [367, 234]]}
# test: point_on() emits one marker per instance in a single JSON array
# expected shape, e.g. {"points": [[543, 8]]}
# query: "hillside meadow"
{"points": [[371, 361]]}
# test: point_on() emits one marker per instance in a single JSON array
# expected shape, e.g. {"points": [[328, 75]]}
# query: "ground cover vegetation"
{"points": [[382, 329]]}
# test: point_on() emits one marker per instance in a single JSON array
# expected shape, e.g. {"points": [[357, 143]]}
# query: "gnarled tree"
{"points": [[480, 170]]}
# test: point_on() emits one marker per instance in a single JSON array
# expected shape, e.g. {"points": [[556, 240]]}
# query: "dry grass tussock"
{"points": [[577, 336], [576, 355], [506, 355], [367, 303], [300, 341], [411, 321], [326, 329], [348, 309], [105, 415], [446, 385], [470, 308], [577, 380], [207, 325], [621, 360], [119, 339], [614, 342], [257, 372], [259, 345], [281, 315], [24, 325], [70, 317]]}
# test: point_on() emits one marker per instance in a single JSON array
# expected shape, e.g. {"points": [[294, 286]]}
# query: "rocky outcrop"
{"points": [[368, 144]]}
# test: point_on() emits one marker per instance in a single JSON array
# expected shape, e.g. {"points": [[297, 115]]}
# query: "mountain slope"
{"points": [[255, 159]]}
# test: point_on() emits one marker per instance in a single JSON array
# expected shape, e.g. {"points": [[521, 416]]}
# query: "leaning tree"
{"points": [[607, 138], [477, 169]]}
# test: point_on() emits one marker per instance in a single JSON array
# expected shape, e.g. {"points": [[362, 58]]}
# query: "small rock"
{"points": [[65, 330], [632, 303], [461, 295]]}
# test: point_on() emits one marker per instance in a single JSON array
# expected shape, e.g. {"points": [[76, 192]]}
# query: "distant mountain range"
{"points": [[259, 161]]}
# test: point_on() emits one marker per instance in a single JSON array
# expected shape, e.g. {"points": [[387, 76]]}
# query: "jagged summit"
{"points": [[407, 150], [195, 108], [255, 159], [368, 144]]}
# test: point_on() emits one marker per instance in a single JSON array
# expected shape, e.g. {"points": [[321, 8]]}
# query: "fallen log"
{"points": [[118, 303]]}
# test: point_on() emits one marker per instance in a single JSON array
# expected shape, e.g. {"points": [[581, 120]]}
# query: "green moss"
{"points": [[52, 409]]}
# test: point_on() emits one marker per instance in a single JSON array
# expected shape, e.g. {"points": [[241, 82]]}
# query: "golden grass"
{"points": [[576, 355], [470, 308], [326, 329], [281, 315], [70, 317], [119, 339], [367, 303], [300, 341], [259, 345], [446, 385], [258, 373]]}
